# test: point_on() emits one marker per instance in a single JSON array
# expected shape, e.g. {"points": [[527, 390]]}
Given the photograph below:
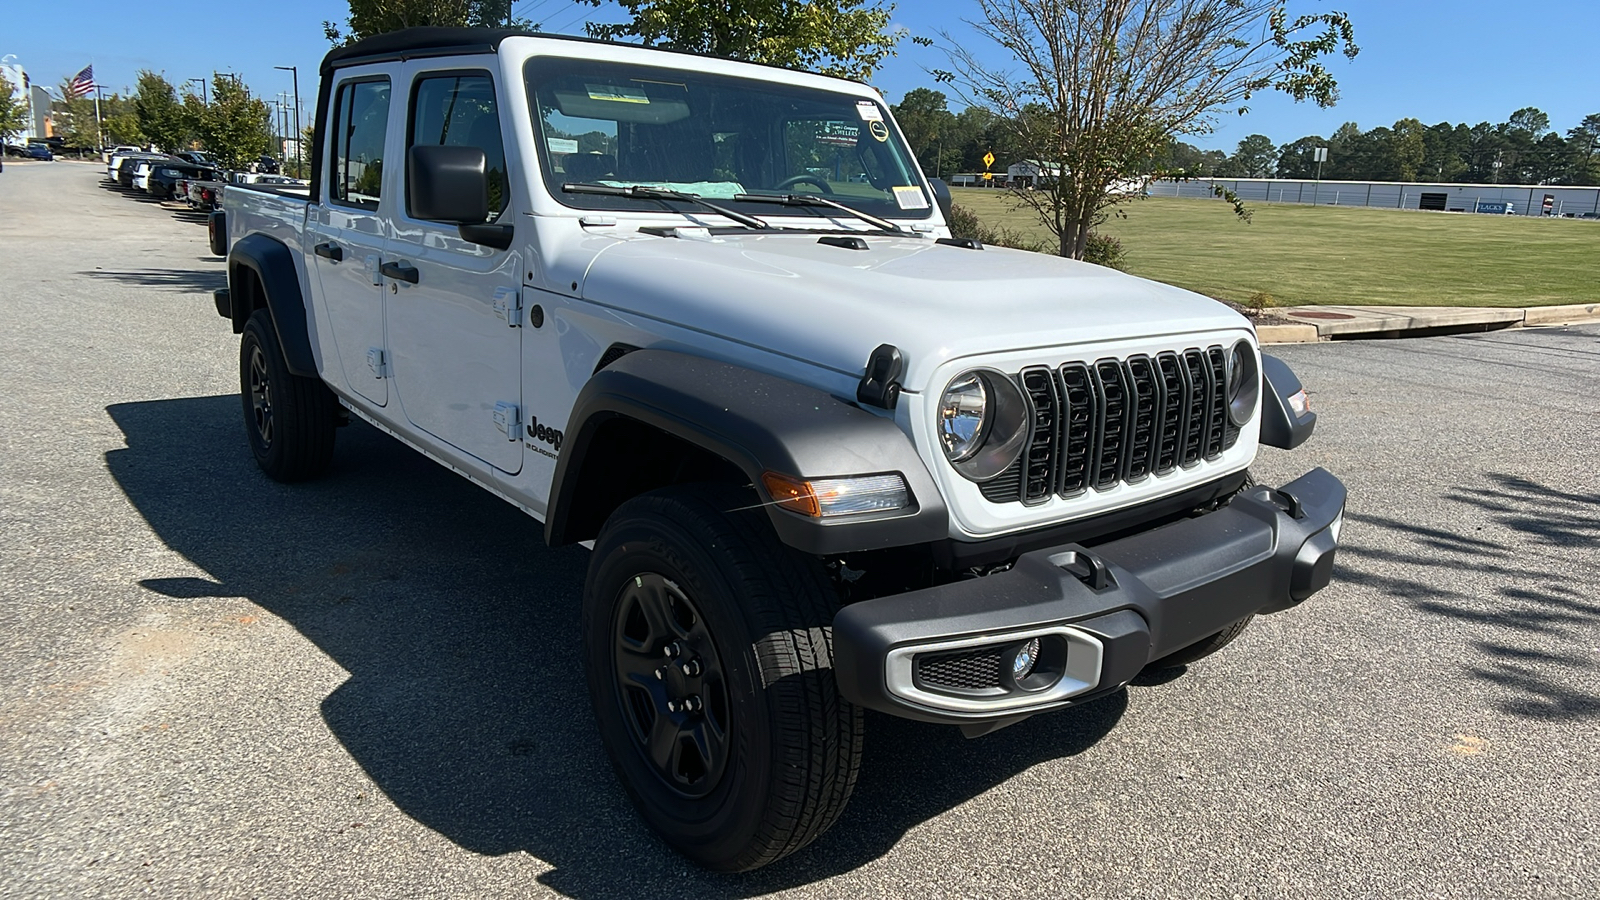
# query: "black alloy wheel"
{"points": [[709, 657], [260, 384], [670, 685]]}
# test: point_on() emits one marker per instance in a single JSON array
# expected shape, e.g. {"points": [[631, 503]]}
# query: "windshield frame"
{"points": [[536, 68]]}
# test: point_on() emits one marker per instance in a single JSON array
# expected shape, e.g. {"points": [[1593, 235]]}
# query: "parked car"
{"points": [[204, 195], [266, 165], [199, 158], [120, 169], [827, 457], [164, 179], [38, 151]]}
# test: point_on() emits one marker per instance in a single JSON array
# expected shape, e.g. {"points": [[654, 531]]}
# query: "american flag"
{"points": [[82, 83]]}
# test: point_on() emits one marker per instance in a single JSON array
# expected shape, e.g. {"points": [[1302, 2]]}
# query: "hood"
{"points": [[831, 306]]}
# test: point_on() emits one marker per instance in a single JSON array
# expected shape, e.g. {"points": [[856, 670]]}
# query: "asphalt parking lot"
{"points": [[215, 685]]}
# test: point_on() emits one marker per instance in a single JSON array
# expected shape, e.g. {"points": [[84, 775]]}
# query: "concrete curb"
{"points": [[1347, 322], [1287, 334]]}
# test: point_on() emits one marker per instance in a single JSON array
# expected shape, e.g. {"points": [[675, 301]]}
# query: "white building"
{"points": [[22, 88]]}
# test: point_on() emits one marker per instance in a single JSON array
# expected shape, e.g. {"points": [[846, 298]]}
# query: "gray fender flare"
{"points": [[759, 423], [274, 264], [1280, 426]]}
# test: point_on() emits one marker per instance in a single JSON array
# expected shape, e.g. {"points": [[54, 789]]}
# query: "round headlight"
{"points": [[962, 414], [983, 423], [1244, 383]]}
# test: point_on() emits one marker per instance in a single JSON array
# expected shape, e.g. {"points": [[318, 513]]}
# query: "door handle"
{"points": [[329, 251], [400, 271]]}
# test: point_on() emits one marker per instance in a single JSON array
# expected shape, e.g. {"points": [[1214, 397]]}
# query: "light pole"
{"points": [[295, 73], [204, 101]]}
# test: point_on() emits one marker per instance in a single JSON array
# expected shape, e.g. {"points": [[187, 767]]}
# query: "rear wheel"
{"points": [[290, 419], [708, 646]]}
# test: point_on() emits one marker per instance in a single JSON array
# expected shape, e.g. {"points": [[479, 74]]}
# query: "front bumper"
{"points": [[1101, 614]]}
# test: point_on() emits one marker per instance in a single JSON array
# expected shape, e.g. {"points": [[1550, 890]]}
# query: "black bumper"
{"points": [[1113, 609]]}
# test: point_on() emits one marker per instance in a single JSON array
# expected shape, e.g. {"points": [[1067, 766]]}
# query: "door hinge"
{"points": [[508, 418], [378, 362], [372, 264], [508, 305]]}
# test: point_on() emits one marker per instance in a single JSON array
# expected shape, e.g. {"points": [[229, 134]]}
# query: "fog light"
{"points": [[1022, 664]]}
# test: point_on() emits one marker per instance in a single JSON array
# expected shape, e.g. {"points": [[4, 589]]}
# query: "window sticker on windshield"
{"points": [[838, 134], [562, 145], [878, 129], [910, 197], [616, 93], [868, 111]]}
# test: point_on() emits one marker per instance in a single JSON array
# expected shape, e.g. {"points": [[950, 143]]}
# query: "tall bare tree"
{"points": [[1105, 85]]}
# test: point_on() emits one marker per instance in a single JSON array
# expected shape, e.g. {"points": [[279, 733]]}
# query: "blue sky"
{"points": [[1462, 61]]}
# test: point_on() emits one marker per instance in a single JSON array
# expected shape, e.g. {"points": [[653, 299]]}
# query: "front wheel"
{"points": [[708, 647]]}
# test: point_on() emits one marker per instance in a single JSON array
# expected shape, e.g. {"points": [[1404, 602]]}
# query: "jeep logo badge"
{"points": [[541, 433]]}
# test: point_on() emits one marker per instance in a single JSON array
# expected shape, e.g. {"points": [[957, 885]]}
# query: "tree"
{"points": [[1114, 81], [1254, 158], [13, 112], [1299, 158], [73, 119], [846, 38], [235, 127], [1530, 121], [161, 116], [370, 17], [1407, 149], [928, 125], [1583, 149]]}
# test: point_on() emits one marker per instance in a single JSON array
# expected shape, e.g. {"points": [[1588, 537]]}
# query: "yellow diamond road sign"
{"points": [[988, 160]]}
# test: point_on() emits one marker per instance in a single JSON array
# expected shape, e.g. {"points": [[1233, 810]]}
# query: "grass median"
{"points": [[1303, 255]]}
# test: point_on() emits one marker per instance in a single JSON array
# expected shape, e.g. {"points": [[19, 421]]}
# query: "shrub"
{"points": [[1105, 250]]}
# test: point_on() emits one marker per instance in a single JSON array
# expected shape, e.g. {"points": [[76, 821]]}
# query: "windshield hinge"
{"points": [[880, 387]]}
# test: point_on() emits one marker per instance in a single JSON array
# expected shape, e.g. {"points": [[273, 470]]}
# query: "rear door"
{"points": [[347, 230], [456, 332]]}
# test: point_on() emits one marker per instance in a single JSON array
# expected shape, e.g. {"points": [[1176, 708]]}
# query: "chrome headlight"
{"points": [[983, 423], [1244, 383]]}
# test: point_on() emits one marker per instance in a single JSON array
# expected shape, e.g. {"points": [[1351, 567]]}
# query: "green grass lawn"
{"points": [[1335, 255]]}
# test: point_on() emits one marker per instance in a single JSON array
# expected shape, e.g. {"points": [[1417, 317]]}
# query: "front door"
{"points": [[456, 331], [347, 235]]}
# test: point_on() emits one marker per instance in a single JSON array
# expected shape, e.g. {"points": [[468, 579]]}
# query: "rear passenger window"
{"points": [[361, 121], [458, 110]]}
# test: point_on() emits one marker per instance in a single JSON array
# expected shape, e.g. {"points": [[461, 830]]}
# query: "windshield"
{"points": [[617, 124]]}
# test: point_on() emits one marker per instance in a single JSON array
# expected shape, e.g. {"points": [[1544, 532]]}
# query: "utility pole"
{"points": [[295, 73], [204, 101]]}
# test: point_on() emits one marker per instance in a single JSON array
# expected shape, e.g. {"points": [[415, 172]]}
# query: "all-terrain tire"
{"points": [[290, 419], [753, 618]]}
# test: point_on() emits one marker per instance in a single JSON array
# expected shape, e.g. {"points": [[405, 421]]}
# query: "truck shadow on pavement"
{"points": [[1526, 604], [465, 702], [183, 281]]}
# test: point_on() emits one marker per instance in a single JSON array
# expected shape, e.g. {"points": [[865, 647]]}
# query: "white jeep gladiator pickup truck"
{"points": [[707, 318]]}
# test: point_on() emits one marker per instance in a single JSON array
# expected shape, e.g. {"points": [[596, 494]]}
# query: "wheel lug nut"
{"points": [[661, 674], [690, 668], [692, 703], [674, 706], [672, 650]]}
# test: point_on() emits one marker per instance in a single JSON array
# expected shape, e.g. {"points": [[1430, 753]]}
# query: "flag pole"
{"points": [[99, 128]]}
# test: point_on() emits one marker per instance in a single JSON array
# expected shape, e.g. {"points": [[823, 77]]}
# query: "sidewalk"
{"points": [[1324, 323]]}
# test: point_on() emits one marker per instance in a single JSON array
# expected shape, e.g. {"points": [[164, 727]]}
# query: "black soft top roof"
{"points": [[413, 43], [409, 43]]}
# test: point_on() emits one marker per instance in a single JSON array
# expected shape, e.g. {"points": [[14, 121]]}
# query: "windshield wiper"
{"points": [[643, 192], [814, 200]]}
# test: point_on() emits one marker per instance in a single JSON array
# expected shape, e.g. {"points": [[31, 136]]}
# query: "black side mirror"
{"points": [[941, 196], [448, 184]]}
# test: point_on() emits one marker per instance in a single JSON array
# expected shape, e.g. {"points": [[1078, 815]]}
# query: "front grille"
{"points": [[1115, 421], [962, 670]]}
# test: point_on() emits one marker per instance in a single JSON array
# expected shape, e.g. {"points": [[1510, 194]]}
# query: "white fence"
{"points": [[1523, 200]]}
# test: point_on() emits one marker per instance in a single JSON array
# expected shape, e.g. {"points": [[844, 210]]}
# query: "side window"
{"points": [[361, 121], [458, 110]]}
